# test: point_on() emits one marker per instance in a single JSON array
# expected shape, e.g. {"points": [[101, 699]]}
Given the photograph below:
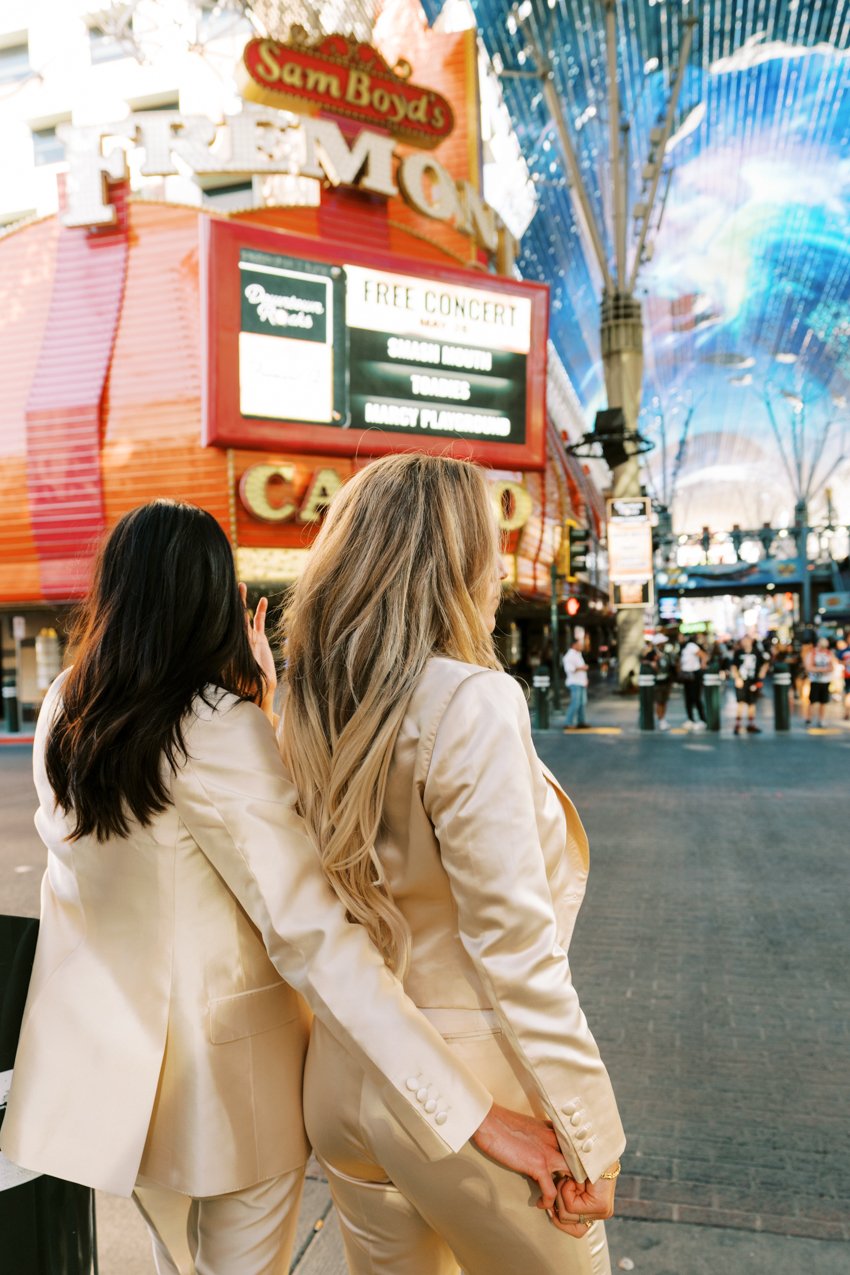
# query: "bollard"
{"points": [[10, 707], [646, 690], [541, 684], [711, 698], [781, 689]]}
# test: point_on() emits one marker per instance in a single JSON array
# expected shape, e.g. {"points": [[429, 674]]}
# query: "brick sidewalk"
{"points": [[712, 958]]}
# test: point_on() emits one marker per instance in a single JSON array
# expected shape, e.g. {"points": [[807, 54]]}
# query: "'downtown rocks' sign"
{"points": [[344, 77]]}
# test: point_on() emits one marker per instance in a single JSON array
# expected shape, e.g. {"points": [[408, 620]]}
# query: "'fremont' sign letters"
{"points": [[261, 140]]}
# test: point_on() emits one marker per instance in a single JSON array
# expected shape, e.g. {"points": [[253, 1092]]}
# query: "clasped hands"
{"points": [[531, 1147]]}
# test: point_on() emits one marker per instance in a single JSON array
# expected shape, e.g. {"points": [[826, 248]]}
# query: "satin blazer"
{"points": [[487, 860], [159, 1036]]}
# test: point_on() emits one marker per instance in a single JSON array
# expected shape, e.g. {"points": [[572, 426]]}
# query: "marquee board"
{"points": [[319, 347]]}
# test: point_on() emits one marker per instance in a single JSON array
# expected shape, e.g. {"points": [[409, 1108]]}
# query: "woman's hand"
{"points": [[261, 649], [580, 1203], [525, 1145]]}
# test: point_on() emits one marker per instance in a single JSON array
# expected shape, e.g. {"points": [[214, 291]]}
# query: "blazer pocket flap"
{"points": [[249, 1013]]}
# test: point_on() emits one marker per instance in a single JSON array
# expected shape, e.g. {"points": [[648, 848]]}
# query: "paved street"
{"points": [[711, 958]]}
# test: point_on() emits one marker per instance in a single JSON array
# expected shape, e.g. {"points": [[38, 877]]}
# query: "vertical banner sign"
{"points": [[630, 551]]}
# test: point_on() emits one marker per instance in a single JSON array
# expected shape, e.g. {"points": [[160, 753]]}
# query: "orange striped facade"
{"points": [[101, 371]]}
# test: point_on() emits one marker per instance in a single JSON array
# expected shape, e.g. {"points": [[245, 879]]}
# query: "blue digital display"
{"points": [[747, 293]]}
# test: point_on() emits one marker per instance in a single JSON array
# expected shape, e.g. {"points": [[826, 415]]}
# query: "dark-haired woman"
{"points": [[160, 1046]]}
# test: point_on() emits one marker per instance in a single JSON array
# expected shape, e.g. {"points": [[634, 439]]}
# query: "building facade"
{"points": [[174, 230]]}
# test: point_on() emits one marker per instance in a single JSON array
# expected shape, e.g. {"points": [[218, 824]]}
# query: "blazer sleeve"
{"points": [[479, 795], [234, 797]]}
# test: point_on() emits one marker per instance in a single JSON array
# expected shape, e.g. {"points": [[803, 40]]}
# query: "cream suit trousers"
{"points": [[249, 1232], [403, 1215]]}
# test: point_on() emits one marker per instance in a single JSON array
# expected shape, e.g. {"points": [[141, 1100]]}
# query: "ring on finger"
{"points": [[585, 1221]]}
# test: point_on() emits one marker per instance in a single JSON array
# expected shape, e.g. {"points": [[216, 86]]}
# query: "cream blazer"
{"points": [[159, 1036], [487, 859]]}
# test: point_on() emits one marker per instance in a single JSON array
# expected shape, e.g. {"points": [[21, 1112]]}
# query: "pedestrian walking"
{"points": [[822, 667], [575, 670], [691, 665], [750, 667], [412, 755], [662, 659], [842, 651]]}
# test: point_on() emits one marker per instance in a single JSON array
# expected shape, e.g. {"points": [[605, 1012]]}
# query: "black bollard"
{"points": [[10, 706], [781, 689], [646, 690], [541, 683], [711, 687]]}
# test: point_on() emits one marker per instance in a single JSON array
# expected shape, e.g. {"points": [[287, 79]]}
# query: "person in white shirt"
{"points": [[691, 665], [575, 670], [822, 667]]}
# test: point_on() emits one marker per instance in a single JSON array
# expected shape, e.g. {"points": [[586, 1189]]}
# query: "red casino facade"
{"points": [[251, 362]]}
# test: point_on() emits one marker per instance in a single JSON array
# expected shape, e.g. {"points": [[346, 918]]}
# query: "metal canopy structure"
{"points": [[744, 267]]}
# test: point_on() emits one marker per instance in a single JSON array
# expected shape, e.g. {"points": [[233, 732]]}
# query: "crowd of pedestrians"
{"points": [[819, 669]]}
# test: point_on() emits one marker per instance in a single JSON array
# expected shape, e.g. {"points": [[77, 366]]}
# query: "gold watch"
{"points": [[613, 1172]]}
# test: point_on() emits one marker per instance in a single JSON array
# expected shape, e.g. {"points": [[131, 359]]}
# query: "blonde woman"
{"points": [[448, 840]]}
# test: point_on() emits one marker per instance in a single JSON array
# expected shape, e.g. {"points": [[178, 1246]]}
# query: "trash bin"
{"points": [[646, 691], [711, 696], [781, 692], [47, 1226], [541, 684]]}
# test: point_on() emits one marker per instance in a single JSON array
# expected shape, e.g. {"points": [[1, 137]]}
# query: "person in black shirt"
{"points": [[749, 669]]}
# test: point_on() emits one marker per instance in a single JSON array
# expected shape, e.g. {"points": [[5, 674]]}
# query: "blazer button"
{"points": [[571, 1107], [421, 1095], [582, 1133], [430, 1106], [412, 1083], [576, 1118], [440, 1118], [587, 1146]]}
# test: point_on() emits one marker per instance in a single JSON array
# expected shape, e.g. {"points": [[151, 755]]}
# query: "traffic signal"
{"points": [[573, 607], [579, 545]]}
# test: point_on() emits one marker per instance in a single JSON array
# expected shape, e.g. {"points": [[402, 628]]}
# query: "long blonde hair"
{"points": [[399, 572]]}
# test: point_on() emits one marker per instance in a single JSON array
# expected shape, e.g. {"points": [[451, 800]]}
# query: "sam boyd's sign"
{"points": [[347, 78]]}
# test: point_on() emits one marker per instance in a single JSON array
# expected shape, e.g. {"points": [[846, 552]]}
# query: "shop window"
{"points": [[110, 34], [14, 61], [215, 17], [103, 45], [46, 146]]}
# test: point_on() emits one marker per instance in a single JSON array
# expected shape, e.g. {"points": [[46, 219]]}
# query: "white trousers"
{"points": [[248, 1232]]}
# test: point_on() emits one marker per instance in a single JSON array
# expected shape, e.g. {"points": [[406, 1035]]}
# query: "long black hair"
{"points": [[163, 620]]}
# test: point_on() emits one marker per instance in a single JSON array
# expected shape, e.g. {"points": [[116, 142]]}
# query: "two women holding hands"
{"points": [[191, 931]]}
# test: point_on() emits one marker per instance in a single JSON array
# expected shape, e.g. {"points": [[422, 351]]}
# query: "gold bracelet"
{"points": [[613, 1172]]}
